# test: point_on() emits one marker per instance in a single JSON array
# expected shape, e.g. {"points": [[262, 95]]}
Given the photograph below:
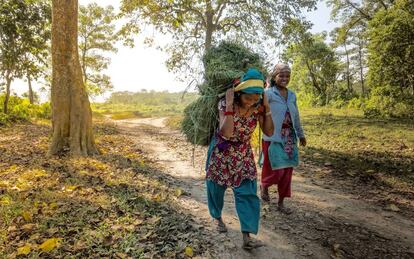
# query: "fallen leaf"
{"points": [[178, 192], [50, 244], [154, 220], [24, 250], [394, 208], [12, 229], [53, 205], [79, 245], [28, 227], [189, 251], [137, 222], [5, 200], [70, 188], [39, 173], [116, 227], [27, 216], [158, 197]]}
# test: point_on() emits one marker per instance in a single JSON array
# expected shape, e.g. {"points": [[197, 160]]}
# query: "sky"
{"points": [[133, 69]]}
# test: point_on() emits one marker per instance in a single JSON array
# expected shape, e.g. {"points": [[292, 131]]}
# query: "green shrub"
{"points": [[4, 119], [44, 111], [383, 103], [356, 103], [20, 109]]}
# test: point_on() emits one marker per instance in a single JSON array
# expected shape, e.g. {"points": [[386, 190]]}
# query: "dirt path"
{"points": [[326, 223]]}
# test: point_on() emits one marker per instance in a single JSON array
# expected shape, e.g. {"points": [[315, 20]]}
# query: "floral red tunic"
{"points": [[232, 160]]}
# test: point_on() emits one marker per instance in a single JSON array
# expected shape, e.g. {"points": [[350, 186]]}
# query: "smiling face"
{"points": [[282, 79], [248, 100]]}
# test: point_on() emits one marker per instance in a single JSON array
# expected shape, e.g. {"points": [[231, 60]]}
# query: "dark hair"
{"points": [[237, 97], [272, 82]]}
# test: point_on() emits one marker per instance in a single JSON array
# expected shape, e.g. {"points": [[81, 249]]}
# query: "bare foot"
{"points": [[281, 207], [264, 194]]}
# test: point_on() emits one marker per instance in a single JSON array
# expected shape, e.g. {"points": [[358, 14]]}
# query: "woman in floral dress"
{"points": [[230, 160]]}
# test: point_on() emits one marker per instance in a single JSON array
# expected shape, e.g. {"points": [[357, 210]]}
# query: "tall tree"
{"points": [[352, 37], [341, 40], [314, 62], [97, 36], [391, 60], [196, 25], [71, 112], [23, 37]]}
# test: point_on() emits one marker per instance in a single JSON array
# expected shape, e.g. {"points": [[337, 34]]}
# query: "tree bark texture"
{"points": [[71, 112]]}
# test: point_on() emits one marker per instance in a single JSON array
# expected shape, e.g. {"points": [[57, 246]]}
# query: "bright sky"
{"points": [[143, 67]]}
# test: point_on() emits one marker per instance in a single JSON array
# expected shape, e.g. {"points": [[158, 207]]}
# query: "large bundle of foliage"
{"points": [[222, 64]]}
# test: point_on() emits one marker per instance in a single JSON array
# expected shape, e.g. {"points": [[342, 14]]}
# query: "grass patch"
{"points": [[112, 205], [125, 115], [358, 146], [144, 104], [174, 122]]}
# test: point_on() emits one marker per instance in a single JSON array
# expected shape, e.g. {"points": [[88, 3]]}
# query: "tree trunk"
{"points": [[29, 81], [209, 32], [361, 69], [7, 97], [348, 73], [71, 112], [313, 78], [209, 26]]}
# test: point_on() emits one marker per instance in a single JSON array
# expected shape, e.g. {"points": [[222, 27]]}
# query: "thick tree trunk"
{"points": [[71, 112], [29, 81], [7, 97]]}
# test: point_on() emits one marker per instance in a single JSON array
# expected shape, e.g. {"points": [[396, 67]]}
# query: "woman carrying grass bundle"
{"points": [[280, 149], [230, 161]]}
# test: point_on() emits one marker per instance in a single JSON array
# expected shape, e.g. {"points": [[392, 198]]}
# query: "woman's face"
{"points": [[282, 79], [248, 100]]}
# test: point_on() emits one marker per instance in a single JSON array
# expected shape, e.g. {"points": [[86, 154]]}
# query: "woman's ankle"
{"points": [[219, 220], [246, 236]]}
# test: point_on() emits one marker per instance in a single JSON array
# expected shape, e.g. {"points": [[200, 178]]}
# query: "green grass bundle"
{"points": [[222, 64]]}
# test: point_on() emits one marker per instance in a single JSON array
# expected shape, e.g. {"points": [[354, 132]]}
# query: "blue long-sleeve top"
{"points": [[278, 106]]}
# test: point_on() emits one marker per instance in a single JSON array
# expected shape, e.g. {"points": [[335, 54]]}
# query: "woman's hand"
{"points": [[266, 122], [229, 98], [266, 103]]}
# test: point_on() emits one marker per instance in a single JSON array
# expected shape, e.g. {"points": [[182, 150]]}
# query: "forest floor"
{"points": [[144, 197]]}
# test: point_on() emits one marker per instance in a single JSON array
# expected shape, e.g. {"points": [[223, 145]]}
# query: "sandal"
{"points": [[252, 244], [220, 226], [284, 210], [264, 194]]}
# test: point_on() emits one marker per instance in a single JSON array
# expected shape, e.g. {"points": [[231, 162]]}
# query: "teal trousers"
{"points": [[247, 203]]}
